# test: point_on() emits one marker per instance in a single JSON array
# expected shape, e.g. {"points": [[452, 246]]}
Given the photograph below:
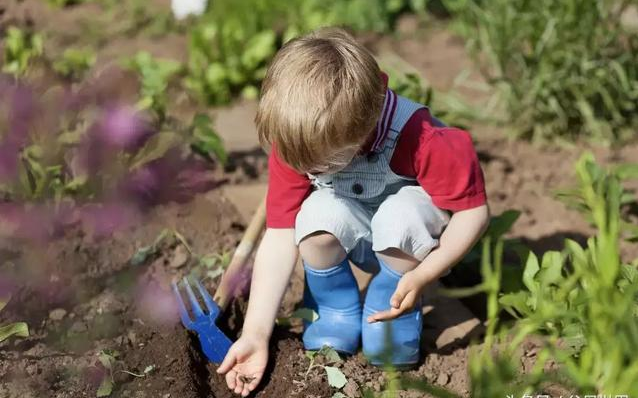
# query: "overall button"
{"points": [[357, 188]]}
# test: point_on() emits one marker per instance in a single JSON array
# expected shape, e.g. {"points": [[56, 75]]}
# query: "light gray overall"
{"points": [[369, 208]]}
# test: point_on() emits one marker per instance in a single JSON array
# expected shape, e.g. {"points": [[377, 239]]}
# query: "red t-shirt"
{"points": [[442, 159]]}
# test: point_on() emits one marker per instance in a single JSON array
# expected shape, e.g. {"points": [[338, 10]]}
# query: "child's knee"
{"points": [[321, 250], [409, 222]]}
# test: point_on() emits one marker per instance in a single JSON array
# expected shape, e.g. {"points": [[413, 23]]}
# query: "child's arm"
{"points": [[274, 262], [462, 232]]}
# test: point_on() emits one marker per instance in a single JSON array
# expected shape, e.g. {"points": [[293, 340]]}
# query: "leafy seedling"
{"points": [[205, 140], [20, 48], [155, 75], [336, 378], [215, 264], [19, 329], [144, 253], [305, 314], [74, 63], [108, 359]]}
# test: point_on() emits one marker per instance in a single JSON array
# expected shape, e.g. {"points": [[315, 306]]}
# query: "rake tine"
{"points": [[183, 312], [197, 309], [211, 306]]}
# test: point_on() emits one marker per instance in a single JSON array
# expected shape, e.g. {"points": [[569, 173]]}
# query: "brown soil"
{"points": [[80, 297]]}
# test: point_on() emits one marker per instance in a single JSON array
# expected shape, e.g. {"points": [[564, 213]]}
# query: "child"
{"points": [[356, 173]]}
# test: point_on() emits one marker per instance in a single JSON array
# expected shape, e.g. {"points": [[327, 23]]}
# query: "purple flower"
{"points": [[156, 304], [169, 179], [123, 128]]}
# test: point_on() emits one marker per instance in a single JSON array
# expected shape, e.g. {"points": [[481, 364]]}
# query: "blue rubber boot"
{"points": [[334, 295], [397, 341]]}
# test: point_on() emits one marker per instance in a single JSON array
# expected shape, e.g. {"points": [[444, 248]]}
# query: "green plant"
{"points": [[74, 62], [229, 49], [230, 46], [19, 329], [109, 360], [66, 159], [336, 378], [593, 291], [406, 81], [21, 47], [54, 164], [155, 75], [575, 197], [301, 314], [563, 69], [205, 140], [206, 266]]}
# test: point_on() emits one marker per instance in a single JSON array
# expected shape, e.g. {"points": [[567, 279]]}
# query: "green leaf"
{"points": [[627, 171], [156, 147], [206, 140], [3, 302], [531, 269], [258, 49], [306, 314], [107, 358], [551, 268], [331, 355], [517, 302], [19, 329], [212, 274], [141, 255], [106, 387], [501, 224], [336, 378]]}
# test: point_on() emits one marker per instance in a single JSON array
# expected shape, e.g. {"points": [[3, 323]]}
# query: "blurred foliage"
{"points": [[406, 81], [74, 63], [67, 158], [21, 47], [600, 177], [230, 46], [563, 69], [155, 75], [205, 139]]}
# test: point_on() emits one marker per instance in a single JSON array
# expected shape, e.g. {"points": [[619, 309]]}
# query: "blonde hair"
{"points": [[320, 100]]}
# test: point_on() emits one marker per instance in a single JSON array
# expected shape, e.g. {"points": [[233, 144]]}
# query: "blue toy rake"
{"points": [[214, 342]]}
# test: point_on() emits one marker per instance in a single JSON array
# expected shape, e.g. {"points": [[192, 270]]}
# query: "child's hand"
{"points": [[244, 364], [404, 298]]}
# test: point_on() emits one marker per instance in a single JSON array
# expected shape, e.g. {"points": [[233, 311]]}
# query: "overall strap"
{"points": [[404, 111]]}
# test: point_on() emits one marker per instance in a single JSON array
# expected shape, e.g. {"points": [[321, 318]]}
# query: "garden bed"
{"points": [[84, 300]]}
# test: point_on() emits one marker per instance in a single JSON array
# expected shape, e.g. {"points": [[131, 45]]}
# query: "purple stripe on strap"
{"points": [[381, 121], [385, 122]]}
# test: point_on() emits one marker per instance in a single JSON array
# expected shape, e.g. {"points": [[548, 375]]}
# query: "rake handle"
{"points": [[236, 268]]}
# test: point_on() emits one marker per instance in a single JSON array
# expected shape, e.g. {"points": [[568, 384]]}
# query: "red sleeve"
{"points": [[444, 162], [287, 189]]}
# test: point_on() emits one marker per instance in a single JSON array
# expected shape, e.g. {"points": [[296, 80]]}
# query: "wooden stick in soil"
{"points": [[238, 264]]}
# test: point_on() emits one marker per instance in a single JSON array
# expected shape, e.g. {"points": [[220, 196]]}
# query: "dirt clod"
{"points": [[57, 314], [180, 257]]}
